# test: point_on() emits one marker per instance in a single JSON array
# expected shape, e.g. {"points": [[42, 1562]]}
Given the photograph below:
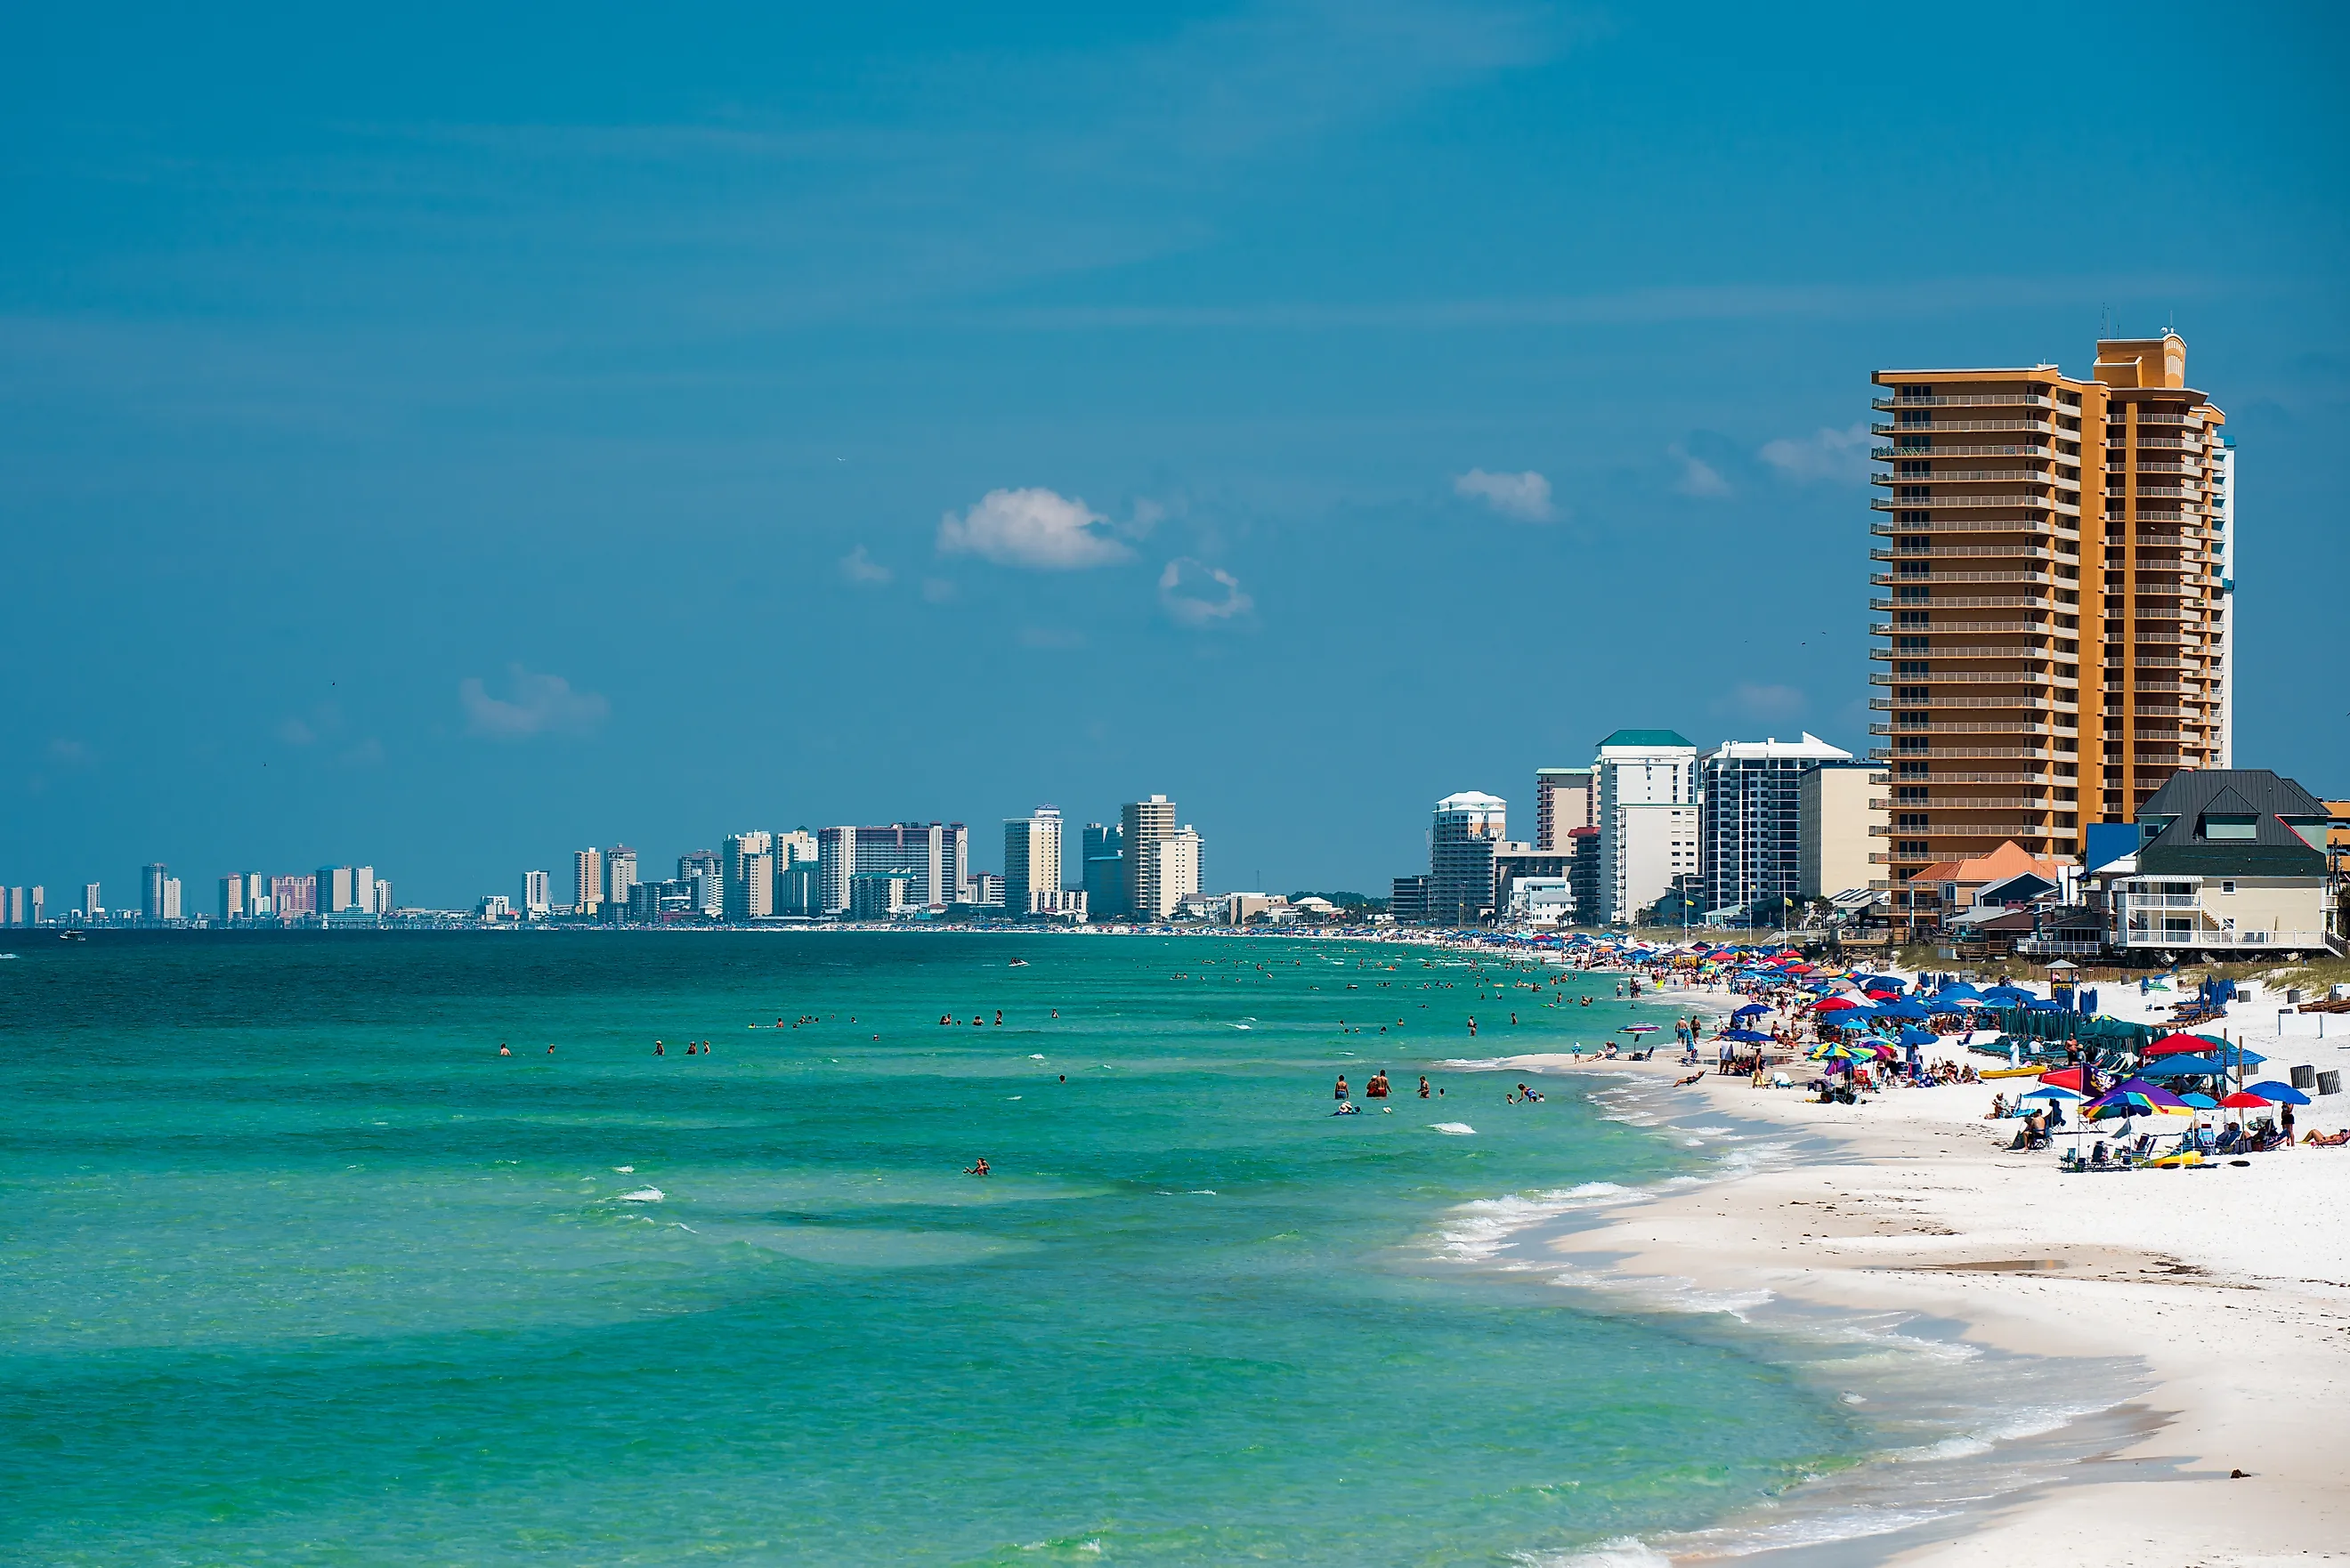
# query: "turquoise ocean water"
{"points": [[300, 1270]]}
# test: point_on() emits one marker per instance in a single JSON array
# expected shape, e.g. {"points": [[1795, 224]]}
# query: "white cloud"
{"points": [[1825, 454], [860, 568], [1180, 589], [1763, 703], [1522, 495], [1698, 477], [541, 704], [1034, 528]]}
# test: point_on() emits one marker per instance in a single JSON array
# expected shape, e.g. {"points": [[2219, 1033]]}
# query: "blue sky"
{"points": [[444, 439]]}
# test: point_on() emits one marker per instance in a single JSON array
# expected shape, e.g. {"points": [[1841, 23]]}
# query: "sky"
{"points": [[447, 437]]}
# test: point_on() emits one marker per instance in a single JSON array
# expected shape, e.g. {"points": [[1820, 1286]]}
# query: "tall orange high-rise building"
{"points": [[2053, 565]]}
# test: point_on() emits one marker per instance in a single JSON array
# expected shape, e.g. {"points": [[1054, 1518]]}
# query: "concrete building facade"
{"points": [[1646, 789], [1032, 858], [1751, 816], [2051, 562], [1467, 829], [1563, 801], [1839, 811]]}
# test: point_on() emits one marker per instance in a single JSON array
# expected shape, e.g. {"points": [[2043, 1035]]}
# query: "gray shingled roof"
{"points": [[2272, 802]]}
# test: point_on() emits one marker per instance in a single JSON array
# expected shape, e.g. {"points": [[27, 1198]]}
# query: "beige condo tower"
{"points": [[2052, 562]]}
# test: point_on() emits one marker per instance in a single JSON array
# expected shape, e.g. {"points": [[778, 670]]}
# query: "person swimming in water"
{"points": [[501, 1049], [979, 1169]]}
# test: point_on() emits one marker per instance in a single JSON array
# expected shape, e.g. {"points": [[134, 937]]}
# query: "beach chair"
{"points": [[2229, 1142]]}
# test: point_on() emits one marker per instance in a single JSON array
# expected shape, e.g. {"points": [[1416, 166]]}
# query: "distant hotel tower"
{"points": [[2053, 565]]}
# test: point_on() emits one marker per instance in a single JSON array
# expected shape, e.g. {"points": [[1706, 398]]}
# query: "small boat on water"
{"points": [[1017, 964], [72, 937]]}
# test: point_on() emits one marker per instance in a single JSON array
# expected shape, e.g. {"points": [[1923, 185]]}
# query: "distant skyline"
{"points": [[444, 442]]}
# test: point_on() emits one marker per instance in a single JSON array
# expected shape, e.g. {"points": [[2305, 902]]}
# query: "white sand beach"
{"points": [[2231, 1283]]}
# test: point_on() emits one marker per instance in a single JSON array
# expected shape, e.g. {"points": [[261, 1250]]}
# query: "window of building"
{"points": [[2218, 826], [2226, 886]]}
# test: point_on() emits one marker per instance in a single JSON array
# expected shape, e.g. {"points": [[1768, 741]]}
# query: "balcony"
{"points": [[2038, 523], [1962, 749], [1969, 476], [1965, 601], [2039, 427], [1927, 579], [1962, 628], [2011, 500], [2019, 398], [1966, 830], [2033, 679], [2037, 550], [2033, 653], [1894, 453], [2157, 939]]}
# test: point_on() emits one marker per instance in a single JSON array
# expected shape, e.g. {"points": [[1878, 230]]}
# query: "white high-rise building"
{"points": [[1032, 857], [336, 893], [1468, 828], [1646, 782], [383, 904], [363, 897], [93, 905], [2223, 567], [1140, 822], [619, 874], [1751, 843], [537, 895], [750, 876], [1168, 872]]}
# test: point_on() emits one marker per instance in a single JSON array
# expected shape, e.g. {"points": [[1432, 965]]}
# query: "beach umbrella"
{"points": [[1749, 1010], [2176, 1045], [1835, 1005], [2243, 1100], [2282, 1094], [2200, 1102], [2009, 994], [1883, 995], [1902, 1010], [2123, 1102], [1636, 1029], [1743, 1036], [2052, 1091], [2068, 1078], [1920, 1038]]}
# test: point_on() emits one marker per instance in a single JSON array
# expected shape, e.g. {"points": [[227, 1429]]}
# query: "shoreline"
{"points": [[2231, 1297]]}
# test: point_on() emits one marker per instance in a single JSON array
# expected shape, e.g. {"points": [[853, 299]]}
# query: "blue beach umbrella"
{"points": [[1920, 1038], [2282, 1094], [1902, 1010], [2201, 1102], [2057, 1092]]}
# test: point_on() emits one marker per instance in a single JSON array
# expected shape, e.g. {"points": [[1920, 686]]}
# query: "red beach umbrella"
{"points": [[2072, 1078], [2176, 1045], [1835, 1005], [2242, 1100]]}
